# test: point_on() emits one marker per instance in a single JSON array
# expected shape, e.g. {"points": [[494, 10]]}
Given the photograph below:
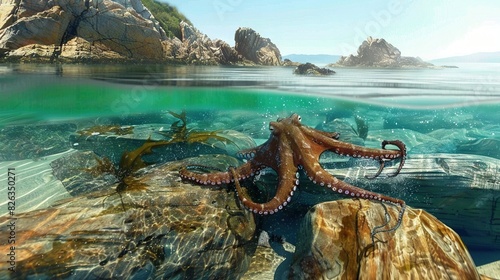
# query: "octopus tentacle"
{"points": [[217, 178], [286, 188], [378, 229], [379, 171], [323, 178], [355, 151], [402, 148], [214, 178], [292, 146], [248, 153]]}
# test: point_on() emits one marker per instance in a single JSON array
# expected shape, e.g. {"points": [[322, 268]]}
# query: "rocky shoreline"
{"points": [[126, 31], [116, 31]]}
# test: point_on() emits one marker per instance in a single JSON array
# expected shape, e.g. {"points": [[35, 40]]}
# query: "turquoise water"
{"points": [[434, 111]]}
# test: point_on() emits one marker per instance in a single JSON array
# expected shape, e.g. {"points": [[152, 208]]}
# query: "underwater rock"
{"points": [[487, 147], [461, 190], [429, 122], [266, 262], [72, 171], [263, 265], [491, 270], [170, 230], [251, 46], [34, 141], [346, 130], [335, 243], [379, 53], [313, 70]]}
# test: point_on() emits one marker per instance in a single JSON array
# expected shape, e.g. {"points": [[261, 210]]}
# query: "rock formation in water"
{"points": [[335, 243], [380, 53], [253, 47], [91, 234], [312, 70], [170, 230], [116, 30]]}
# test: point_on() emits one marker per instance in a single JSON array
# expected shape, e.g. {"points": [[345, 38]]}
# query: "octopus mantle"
{"points": [[291, 147]]}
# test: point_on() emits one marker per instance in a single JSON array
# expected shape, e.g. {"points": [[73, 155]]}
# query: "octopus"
{"points": [[293, 147]]}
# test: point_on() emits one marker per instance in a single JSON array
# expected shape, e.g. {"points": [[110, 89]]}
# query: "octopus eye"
{"points": [[299, 118], [271, 127]]}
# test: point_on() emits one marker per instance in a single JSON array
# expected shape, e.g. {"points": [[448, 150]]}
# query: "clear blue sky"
{"points": [[426, 28]]}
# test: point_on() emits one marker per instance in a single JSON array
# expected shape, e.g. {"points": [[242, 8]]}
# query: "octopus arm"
{"points": [[288, 182], [321, 177], [215, 178], [348, 149]]}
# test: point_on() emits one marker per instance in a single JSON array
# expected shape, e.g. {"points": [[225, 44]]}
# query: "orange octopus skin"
{"points": [[293, 146]]}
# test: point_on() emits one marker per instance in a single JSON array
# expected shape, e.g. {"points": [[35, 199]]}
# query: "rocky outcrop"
{"points": [[89, 29], [197, 48], [335, 242], [312, 70], [380, 53], [116, 30], [251, 46]]}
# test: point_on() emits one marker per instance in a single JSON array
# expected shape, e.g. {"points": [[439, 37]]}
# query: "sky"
{"points": [[429, 29]]}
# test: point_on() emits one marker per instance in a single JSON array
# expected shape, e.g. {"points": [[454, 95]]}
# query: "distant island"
{"points": [[378, 53]]}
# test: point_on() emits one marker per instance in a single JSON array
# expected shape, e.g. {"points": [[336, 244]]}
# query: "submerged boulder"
{"points": [[335, 243], [160, 228]]}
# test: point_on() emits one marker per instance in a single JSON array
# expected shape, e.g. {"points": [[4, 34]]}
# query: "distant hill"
{"points": [[313, 58], [484, 57]]}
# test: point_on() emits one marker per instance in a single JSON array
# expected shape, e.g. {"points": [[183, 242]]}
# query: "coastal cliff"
{"points": [[118, 31], [379, 53]]}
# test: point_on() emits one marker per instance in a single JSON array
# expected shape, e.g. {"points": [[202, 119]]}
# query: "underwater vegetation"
{"points": [[132, 161], [180, 133], [361, 127]]}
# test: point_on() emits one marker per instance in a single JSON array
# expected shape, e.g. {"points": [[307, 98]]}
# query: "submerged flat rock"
{"points": [[168, 230], [460, 190], [335, 243]]}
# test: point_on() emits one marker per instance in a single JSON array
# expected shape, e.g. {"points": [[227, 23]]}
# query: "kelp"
{"points": [[179, 133], [131, 161], [361, 127]]}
